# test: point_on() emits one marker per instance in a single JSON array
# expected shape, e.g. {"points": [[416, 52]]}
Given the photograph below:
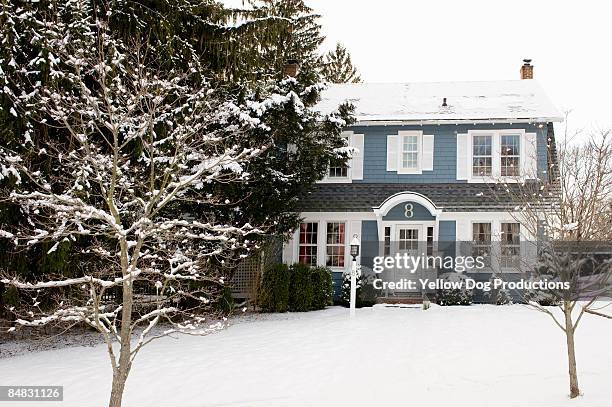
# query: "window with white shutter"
{"points": [[508, 155], [410, 152], [352, 169]]}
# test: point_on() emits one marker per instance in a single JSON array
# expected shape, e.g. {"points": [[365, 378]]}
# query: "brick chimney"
{"points": [[527, 69], [292, 68]]}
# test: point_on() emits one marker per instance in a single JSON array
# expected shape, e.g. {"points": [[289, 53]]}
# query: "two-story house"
{"points": [[427, 154]]}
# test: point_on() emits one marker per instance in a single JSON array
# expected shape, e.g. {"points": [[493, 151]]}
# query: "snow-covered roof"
{"points": [[502, 101]]}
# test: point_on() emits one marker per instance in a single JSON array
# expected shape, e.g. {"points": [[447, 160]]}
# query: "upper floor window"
{"points": [[337, 169], [510, 155], [498, 155], [335, 240], [410, 152], [308, 243], [482, 155]]}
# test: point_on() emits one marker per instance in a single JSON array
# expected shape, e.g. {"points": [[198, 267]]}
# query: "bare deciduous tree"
{"points": [[570, 215]]}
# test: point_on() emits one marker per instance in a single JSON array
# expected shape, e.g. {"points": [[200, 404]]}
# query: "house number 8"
{"points": [[408, 210]]}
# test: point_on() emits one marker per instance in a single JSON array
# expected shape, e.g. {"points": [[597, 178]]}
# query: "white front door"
{"points": [[408, 241]]}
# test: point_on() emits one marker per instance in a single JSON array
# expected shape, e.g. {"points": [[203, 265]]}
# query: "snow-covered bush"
{"points": [[366, 293], [300, 288], [273, 293], [454, 296], [500, 296], [322, 288]]}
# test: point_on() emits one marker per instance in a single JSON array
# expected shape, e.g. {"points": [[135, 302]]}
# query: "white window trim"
{"points": [[322, 218], [401, 135], [317, 244], [520, 155], [346, 245], [496, 155], [422, 225], [520, 245], [493, 260], [349, 176]]}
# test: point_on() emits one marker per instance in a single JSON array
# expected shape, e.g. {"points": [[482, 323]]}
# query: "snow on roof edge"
{"points": [[473, 101]]}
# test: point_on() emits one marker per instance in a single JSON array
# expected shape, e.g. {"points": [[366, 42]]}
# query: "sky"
{"points": [[447, 40]]}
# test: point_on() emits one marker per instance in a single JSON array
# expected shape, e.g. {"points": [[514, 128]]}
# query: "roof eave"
{"points": [[457, 121]]}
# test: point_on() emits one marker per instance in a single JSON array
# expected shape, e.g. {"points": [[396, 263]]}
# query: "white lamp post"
{"points": [[354, 254]]}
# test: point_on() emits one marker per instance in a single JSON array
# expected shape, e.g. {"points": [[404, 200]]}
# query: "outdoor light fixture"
{"points": [[354, 254], [355, 247]]}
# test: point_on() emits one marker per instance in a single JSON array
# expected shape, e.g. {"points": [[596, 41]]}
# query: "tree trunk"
{"points": [[117, 390], [571, 352], [120, 373]]}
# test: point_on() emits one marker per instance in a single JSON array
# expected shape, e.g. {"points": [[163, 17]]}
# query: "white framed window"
{"points": [[335, 244], [410, 152], [387, 241], [481, 241], [337, 169], [482, 155], [341, 171], [510, 155], [308, 237], [430, 240], [507, 155], [510, 245]]}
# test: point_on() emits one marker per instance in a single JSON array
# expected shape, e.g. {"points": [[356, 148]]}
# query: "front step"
{"points": [[416, 298]]}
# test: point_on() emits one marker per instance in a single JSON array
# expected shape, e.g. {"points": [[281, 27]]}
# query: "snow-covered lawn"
{"points": [[453, 356]]}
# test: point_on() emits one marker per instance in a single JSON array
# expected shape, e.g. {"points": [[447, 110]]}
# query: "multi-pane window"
{"points": [[481, 241], [510, 155], [337, 169], [335, 244], [408, 239], [308, 243], [510, 245], [387, 241], [482, 160], [410, 152], [430, 240]]}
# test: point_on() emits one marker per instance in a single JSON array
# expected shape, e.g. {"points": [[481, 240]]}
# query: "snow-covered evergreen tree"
{"points": [[146, 165], [240, 54], [337, 67]]}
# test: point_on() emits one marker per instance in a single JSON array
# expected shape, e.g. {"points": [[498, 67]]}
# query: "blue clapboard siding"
{"points": [[337, 284], [369, 242], [447, 236], [419, 212], [445, 151]]}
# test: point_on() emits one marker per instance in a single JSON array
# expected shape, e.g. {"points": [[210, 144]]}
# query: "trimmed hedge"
{"points": [[322, 287], [274, 289], [300, 288], [297, 288]]}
